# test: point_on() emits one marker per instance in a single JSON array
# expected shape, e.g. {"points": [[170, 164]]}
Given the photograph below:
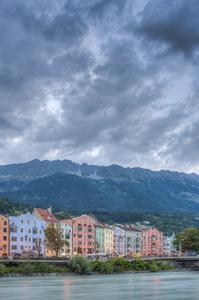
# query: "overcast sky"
{"points": [[101, 82]]}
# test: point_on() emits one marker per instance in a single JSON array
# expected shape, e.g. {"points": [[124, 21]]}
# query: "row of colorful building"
{"points": [[25, 234]]}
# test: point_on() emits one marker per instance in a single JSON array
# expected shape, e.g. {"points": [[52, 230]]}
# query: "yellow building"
{"points": [[47, 216], [108, 239]]}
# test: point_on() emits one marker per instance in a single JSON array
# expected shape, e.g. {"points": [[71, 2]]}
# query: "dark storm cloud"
{"points": [[100, 8], [92, 81], [174, 23]]}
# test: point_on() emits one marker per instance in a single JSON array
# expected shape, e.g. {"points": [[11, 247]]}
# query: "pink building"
{"points": [[152, 242], [83, 228]]}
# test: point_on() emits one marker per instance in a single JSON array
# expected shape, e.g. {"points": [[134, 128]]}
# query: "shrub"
{"points": [[43, 268], [105, 267], [27, 268], [2, 269], [139, 264], [79, 264], [121, 264], [152, 266]]}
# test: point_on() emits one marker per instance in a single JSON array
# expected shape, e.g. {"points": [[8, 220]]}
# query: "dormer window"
{"points": [[49, 218]]}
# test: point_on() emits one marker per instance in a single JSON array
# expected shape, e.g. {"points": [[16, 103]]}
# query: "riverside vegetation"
{"points": [[81, 265]]}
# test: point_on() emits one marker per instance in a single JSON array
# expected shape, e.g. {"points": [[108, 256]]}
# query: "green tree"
{"points": [[187, 240], [54, 238]]}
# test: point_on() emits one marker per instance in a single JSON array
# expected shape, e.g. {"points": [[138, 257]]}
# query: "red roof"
{"points": [[46, 216]]}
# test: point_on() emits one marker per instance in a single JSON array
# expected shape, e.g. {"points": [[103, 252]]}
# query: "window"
{"points": [[29, 230], [29, 240], [34, 231], [79, 242], [75, 249], [14, 239], [5, 238], [4, 223], [21, 230], [34, 240], [75, 228], [74, 242], [40, 231], [29, 247], [74, 234], [28, 222], [21, 221], [4, 247], [21, 238], [4, 229], [21, 247], [84, 229], [13, 230], [14, 247], [79, 235], [89, 236]]}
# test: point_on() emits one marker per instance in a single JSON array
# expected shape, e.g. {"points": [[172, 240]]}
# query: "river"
{"points": [[158, 286]]}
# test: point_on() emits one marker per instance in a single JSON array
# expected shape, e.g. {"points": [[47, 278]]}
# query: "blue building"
{"points": [[26, 235]]}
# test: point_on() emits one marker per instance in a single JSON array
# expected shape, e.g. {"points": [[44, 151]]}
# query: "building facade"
{"points": [[67, 233], [152, 242], [26, 235], [108, 240], [166, 245], [129, 240], [47, 216], [119, 241], [4, 236], [83, 228], [99, 238]]}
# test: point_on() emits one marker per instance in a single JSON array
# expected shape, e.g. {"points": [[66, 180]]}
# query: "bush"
{"points": [[2, 269], [105, 267], [79, 264], [139, 264], [121, 264], [152, 266], [43, 268], [27, 268]]}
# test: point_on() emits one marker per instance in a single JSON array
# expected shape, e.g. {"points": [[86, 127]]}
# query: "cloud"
{"points": [[173, 23], [100, 82]]}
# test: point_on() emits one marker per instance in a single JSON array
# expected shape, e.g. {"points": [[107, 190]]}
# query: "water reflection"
{"points": [[157, 286]]}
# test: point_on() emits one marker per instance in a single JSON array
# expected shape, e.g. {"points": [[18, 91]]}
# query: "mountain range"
{"points": [[67, 185]]}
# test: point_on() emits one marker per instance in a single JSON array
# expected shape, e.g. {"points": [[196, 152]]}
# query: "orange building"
{"points": [[4, 236], [152, 242], [83, 228]]}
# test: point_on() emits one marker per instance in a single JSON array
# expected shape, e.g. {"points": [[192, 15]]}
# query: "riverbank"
{"points": [[79, 265], [96, 273]]}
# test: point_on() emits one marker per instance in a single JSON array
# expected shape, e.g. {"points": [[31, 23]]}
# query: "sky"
{"points": [[100, 81]]}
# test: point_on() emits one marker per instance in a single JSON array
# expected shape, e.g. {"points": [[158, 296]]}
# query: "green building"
{"points": [[66, 229]]}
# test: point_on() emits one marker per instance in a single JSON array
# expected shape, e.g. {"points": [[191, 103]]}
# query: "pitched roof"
{"points": [[125, 228], [46, 216]]}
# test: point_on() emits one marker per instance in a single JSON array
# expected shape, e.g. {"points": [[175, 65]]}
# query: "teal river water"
{"points": [[156, 286]]}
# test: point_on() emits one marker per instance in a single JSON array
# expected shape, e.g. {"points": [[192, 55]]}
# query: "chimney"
{"points": [[49, 209]]}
